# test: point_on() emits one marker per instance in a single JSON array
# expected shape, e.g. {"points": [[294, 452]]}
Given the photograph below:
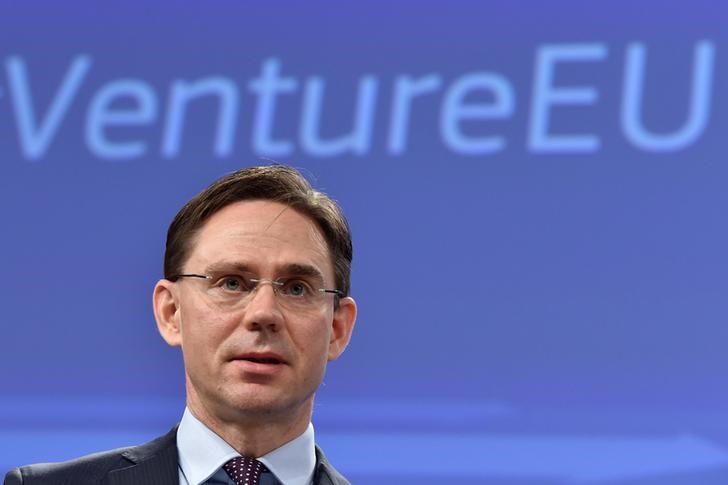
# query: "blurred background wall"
{"points": [[537, 192]]}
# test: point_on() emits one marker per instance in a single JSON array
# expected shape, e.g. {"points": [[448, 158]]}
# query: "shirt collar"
{"points": [[294, 462], [202, 453]]}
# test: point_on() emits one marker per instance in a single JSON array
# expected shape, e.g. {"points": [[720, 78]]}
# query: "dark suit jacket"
{"points": [[153, 463]]}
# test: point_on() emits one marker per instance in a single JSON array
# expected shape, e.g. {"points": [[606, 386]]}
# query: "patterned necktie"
{"points": [[244, 470]]}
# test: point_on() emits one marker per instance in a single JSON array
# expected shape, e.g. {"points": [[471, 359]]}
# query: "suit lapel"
{"points": [[325, 474], [154, 463]]}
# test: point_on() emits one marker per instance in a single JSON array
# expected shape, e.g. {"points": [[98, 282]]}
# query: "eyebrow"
{"points": [[296, 269], [225, 266], [293, 269]]}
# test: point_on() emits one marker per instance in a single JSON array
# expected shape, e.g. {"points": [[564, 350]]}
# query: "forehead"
{"points": [[264, 235]]}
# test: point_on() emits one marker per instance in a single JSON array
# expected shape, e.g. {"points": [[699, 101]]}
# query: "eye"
{"points": [[296, 288], [232, 283]]}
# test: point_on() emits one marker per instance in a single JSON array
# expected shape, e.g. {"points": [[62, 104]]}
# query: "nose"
{"points": [[262, 310]]}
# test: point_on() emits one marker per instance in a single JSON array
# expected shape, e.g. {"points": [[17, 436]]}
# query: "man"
{"points": [[255, 293]]}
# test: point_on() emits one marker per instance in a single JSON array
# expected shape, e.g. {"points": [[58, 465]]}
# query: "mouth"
{"points": [[262, 360], [260, 365], [266, 358]]}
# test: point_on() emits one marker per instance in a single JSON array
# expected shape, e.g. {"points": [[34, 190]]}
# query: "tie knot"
{"points": [[244, 470]]}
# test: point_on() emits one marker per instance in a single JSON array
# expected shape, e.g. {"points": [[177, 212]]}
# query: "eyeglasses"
{"points": [[234, 292]]}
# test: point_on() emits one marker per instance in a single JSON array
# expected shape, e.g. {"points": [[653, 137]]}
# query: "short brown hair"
{"points": [[278, 183]]}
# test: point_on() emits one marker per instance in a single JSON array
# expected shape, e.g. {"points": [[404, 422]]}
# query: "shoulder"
{"points": [[325, 473], [89, 469]]}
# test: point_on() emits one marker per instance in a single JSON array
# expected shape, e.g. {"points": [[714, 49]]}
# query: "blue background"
{"points": [[534, 309]]}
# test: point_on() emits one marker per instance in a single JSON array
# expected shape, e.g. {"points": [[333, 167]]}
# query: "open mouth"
{"points": [[263, 360], [267, 358], [263, 364]]}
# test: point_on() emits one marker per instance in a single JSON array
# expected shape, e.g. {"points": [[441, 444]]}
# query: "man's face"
{"points": [[261, 360]]}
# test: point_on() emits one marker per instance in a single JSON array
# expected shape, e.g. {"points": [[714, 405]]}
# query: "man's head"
{"points": [[246, 260], [274, 182]]}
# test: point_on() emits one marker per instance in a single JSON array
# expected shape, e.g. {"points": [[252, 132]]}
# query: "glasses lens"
{"points": [[235, 292]]}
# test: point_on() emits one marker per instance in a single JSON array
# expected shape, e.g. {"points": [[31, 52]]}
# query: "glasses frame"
{"points": [[274, 283]]}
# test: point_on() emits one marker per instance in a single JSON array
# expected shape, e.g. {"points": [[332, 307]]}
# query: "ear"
{"points": [[166, 312], [342, 326]]}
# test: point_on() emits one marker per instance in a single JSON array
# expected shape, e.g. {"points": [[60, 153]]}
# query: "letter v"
{"points": [[34, 138]]}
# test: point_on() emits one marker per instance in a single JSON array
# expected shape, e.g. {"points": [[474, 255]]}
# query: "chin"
{"points": [[265, 404]]}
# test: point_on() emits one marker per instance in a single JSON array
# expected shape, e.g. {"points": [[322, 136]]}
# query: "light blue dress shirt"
{"points": [[202, 453]]}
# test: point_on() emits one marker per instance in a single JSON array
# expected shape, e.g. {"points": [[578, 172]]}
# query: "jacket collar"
{"points": [[326, 474], [156, 463]]}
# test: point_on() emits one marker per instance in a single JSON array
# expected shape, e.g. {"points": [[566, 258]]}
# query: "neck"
{"points": [[253, 435]]}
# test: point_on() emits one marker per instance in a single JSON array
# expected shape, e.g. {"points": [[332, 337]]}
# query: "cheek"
{"points": [[315, 342], [202, 330]]}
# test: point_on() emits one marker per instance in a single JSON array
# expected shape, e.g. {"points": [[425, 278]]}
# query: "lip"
{"points": [[263, 363], [269, 358]]}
